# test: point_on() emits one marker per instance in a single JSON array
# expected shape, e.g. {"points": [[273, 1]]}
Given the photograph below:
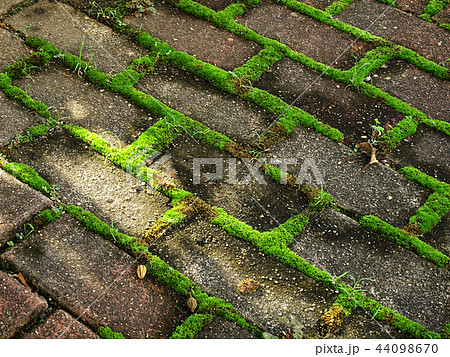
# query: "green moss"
{"points": [[446, 331], [29, 176], [406, 240], [338, 6], [47, 216], [108, 333], [435, 6], [192, 326], [427, 216], [426, 181], [442, 126], [402, 130], [258, 64]]}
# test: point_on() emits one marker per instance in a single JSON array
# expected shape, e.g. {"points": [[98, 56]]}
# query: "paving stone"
{"points": [[18, 306], [219, 328], [400, 279], [425, 38], [87, 105], [11, 49], [89, 276], [413, 6], [304, 34], [377, 190], [427, 150], [8, 4], [51, 21], [319, 4], [219, 265], [61, 325], [439, 236], [418, 88], [360, 325], [238, 199], [19, 205], [14, 119], [86, 179], [216, 5], [330, 102], [228, 114], [195, 36]]}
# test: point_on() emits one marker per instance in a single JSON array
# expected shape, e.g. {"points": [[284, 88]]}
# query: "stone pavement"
{"points": [[285, 162]]}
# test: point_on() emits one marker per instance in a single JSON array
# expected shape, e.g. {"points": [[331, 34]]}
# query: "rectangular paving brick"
{"points": [[427, 150], [425, 38], [413, 6], [226, 113], [416, 87], [400, 279], [237, 197], [83, 104], [19, 204], [218, 262], [195, 36], [330, 102], [18, 306], [11, 49], [15, 119], [378, 190], [88, 180], [61, 325], [216, 5], [219, 328], [51, 21], [321, 42], [89, 276]]}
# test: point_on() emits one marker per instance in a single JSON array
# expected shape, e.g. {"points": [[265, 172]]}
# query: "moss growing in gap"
{"points": [[406, 240], [108, 333], [427, 216], [192, 326], [404, 129], [426, 181], [338, 6]]}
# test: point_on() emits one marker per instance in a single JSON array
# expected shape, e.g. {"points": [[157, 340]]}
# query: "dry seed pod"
{"points": [[247, 286], [191, 303], [141, 271]]}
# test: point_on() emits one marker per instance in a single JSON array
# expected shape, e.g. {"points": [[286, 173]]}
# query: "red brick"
{"points": [[18, 306]]}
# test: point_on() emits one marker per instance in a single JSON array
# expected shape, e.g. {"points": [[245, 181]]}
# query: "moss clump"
{"points": [[192, 326], [29, 176], [108, 333], [45, 217], [402, 130], [426, 181], [406, 240], [338, 6], [427, 216]]}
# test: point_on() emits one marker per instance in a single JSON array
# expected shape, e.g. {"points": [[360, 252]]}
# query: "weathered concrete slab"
{"points": [[219, 265], [426, 38], [413, 6], [11, 48], [330, 102], [51, 21], [88, 180], [89, 276], [19, 204], [242, 198], [427, 150], [377, 190], [399, 279], [61, 325], [304, 34], [18, 306], [105, 113], [14, 119], [195, 36], [228, 114], [418, 88], [219, 328]]}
